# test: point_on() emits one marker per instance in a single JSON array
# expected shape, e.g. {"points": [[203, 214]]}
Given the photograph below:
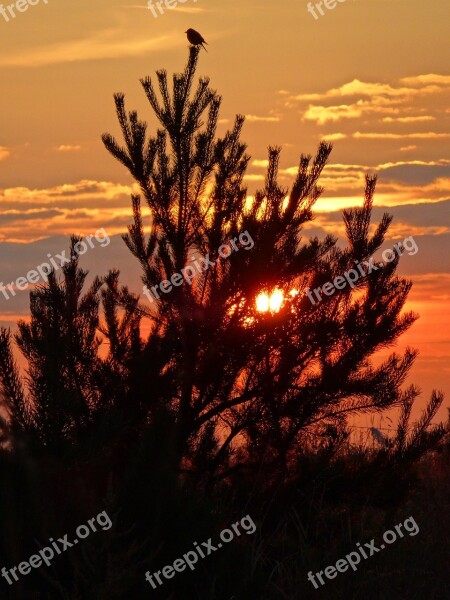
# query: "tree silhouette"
{"points": [[68, 388], [242, 386], [221, 406]]}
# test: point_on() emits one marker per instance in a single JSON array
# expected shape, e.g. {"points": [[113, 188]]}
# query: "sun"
{"points": [[272, 302]]}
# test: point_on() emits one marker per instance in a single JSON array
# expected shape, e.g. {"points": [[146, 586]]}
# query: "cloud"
{"points": [[323, 114], [4, 152], [189, 9], [79, 206], [19, 258], [429, 222], [427, 163], [256, 119], [67, 208], [110, 43], [431, 78], [399, 182], [326, 114], [417, 119], [363, 88], [254, 177], [419, 99], [68, 148], [85, 188], [15, 216], [408, 148], [430, 135], [331, 137]]}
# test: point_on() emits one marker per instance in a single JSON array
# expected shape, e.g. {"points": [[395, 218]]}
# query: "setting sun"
{"points": [[272, 303]]}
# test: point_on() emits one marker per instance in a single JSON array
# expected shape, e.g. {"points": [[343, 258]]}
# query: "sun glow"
{"points": [[272, 302]]}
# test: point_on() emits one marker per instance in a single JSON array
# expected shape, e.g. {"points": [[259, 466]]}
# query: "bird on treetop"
{"points": [[195, 38]]}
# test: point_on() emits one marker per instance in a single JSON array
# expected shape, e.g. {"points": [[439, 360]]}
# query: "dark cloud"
{"points": [[45, 214], [121, 201], [436, 214], [414, 174], [17, 259]]}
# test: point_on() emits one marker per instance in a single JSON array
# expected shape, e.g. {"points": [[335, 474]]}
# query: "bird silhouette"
{"points": [[195, 38]]}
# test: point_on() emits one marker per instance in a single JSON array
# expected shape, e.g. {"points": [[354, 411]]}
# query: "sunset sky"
{"points": [[371, 75]]}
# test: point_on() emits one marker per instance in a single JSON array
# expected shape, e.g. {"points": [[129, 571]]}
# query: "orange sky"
{"points": [[372, 75]]}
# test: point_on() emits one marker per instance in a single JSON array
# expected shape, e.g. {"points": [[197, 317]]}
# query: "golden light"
{"points": [[262, 302], [272, 303], [276, 300]]}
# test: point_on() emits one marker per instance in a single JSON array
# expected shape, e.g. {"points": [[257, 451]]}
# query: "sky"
{"points": [[372, 76]]}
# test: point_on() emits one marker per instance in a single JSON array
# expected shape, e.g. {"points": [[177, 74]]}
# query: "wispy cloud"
{"points": [[65, 209], [417, 99], [398, 182], [417, 119], [110, 43], [332, 137], [254, 177], [264, 163], [430, 135], [364, 88], [430, 78], [256, 119], [4, 152], [68, 148], [324, 114]]}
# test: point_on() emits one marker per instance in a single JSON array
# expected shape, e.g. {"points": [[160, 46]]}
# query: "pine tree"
{"points": [[242, 386], [252, 404], [68, 387]]}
